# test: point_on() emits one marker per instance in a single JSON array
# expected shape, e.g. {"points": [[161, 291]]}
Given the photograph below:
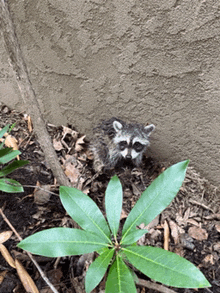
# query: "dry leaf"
{"points": [[11, 141], [186, 215], [85, 190], [136, 191], [25, 278], [217, 227], [180, 221], [57, 145], [4, 236], [79, 142], [72, 133], [42, 195], [179, 251], [38, 215], [154, 234], [198, 233], [2, 276], [209, 259], [193, 222], [142, 240], [153, 223], [216, 247], [67, 130], [80, 183], [55, 275], [45, 290], [142, 226], [5, 253], [174, 231], [124, 214], [213, 216], [127, 193], [72, 172]]}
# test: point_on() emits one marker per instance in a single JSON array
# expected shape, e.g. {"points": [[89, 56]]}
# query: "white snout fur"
{"points": [[124, 153], [134, 154]]}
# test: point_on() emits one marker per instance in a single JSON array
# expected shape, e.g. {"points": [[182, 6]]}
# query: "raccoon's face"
{"points": [[131, 140], [130, 149]]}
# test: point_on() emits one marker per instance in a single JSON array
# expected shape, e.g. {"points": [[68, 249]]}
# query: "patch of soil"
{"points": [[193, 218]]}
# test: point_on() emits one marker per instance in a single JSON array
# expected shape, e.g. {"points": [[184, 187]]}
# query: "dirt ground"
{"points": [[193, 218]]}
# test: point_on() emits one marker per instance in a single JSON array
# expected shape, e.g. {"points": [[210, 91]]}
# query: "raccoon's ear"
{"points": [[149, 129], [117, 125]]}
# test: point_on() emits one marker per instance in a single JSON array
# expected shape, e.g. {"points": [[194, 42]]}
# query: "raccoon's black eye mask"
{"points": [[122, 145], [138, 147]]}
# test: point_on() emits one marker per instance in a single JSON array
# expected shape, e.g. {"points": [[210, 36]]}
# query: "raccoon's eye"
{"points": [[138, 147], [122, 145]]}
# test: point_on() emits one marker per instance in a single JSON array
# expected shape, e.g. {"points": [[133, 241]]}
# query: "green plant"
{"points": [[7, 154], [116, 251]]}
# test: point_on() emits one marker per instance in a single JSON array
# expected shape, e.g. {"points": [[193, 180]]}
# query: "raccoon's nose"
{"points": [[128, 157]]}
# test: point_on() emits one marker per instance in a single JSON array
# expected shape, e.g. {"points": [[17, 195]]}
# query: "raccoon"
{"points": [[115, 142]]}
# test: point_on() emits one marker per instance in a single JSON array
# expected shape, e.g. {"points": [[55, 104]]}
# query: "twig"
{"points": [[29, 254], [10, 225], [166, 235], [154, 286], [201, 205], [40, 188], [91, 179], [27, 92]]}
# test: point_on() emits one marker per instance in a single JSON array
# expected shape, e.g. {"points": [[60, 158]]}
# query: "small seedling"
{"points": [[6, 155], [116, 251]]}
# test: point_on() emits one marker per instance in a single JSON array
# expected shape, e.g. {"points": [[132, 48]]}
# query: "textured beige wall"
{"points": [[151, 61]]}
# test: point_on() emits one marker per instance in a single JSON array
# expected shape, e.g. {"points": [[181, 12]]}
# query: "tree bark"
{"points": [[27, 92]]}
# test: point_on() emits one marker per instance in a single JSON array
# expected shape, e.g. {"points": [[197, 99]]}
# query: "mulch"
{"points": [[193, 218]]}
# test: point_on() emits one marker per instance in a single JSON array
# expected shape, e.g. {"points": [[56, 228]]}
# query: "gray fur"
{"points": [[115, 140]]}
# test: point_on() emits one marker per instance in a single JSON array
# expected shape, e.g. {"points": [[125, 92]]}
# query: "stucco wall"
{"points": [[151, 61]]}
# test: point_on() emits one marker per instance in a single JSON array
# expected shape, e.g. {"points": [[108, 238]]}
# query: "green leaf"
{"points": [[113, 204], [4, 130], [155, 198], [165, 267], [119, 278], [9, 156], [2, 144], [11, 127], [85, 212], [11, 167], [5, 151], [97, 269], [57, 242], [132, 237], [10, 185]]}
